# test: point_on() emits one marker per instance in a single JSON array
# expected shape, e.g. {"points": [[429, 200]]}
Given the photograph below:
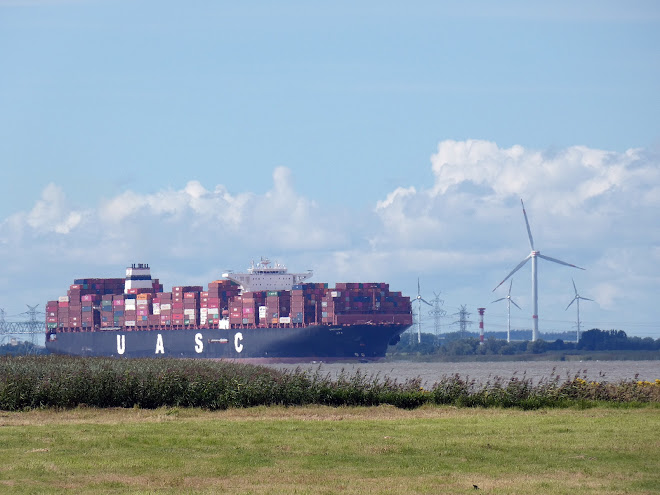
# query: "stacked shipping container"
{"points": [[98, 304]]}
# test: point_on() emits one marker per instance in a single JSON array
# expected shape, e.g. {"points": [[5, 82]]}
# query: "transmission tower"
{"points": [[34, 326], [437, 312], [462, 321]]}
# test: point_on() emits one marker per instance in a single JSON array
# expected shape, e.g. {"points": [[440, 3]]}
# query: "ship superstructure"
{"points": [[264, 276]]}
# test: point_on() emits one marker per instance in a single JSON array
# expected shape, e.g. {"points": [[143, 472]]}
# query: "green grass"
{"points": [[325, 450]]}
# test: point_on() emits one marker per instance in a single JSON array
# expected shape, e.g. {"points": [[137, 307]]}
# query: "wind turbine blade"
{"points": [[424, 301], [555, 260], [529, 231], [498, 300], [586, 299], [418, 290], [510, 285], [514, 270], [574, 286], [512, 302], [569, 304]]}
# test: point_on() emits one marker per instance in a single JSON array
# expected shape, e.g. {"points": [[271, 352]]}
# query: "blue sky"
{"points": [[369, 141]]}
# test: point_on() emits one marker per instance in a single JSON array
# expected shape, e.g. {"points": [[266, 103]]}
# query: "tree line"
{"points": [[465, 344]]}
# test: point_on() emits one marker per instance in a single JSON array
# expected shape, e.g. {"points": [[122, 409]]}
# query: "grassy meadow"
{"points": [[328, 450]]}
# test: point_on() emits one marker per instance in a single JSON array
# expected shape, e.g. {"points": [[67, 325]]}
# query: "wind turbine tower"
{"points": [[509, 301], [533, 256], [420, 300], [577, 300]]}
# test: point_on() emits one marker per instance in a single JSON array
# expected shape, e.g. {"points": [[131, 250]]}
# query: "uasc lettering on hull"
{"points": [[198, 343]]}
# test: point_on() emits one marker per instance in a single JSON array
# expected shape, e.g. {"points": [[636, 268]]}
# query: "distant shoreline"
{"points": [[560, 356]]}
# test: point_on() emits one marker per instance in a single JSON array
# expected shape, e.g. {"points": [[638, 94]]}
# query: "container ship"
{"points": [[265, 315]]}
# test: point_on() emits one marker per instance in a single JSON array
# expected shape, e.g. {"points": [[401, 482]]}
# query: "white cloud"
{"points": [[52, 213]]}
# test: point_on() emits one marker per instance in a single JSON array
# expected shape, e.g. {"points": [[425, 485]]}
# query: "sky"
{"points": [[368, 141]]}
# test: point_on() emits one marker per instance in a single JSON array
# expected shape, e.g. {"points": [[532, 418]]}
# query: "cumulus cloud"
{"points": [[476, 183], [51, 213], [281, 218], [562, 180], [193, 202]]}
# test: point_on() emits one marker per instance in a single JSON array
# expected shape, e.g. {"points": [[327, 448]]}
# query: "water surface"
{"points": [[601, 371]]}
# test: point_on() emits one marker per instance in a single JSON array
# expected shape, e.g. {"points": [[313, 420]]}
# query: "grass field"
{"points": [[325, 450]]}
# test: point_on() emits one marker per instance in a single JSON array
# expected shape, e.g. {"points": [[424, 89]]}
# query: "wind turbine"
{"points": [[419, 313], [509, 301], [577, 298], [533, 256]]}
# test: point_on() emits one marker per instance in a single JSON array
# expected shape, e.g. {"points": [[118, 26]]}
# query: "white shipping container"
{"points": [[129, 304], [129, 323], [335, 293], [203, 311], [156, 311], [262, 311], [165, 306], [142, 302], [63, 299], [214, 311], [285, 319], [189, 312]]}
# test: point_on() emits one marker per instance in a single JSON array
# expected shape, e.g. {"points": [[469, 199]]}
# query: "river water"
{"points": [[430, 373]]}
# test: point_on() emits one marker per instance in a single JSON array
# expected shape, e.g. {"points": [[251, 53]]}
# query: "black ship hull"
{"points": [[254, 345]]}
